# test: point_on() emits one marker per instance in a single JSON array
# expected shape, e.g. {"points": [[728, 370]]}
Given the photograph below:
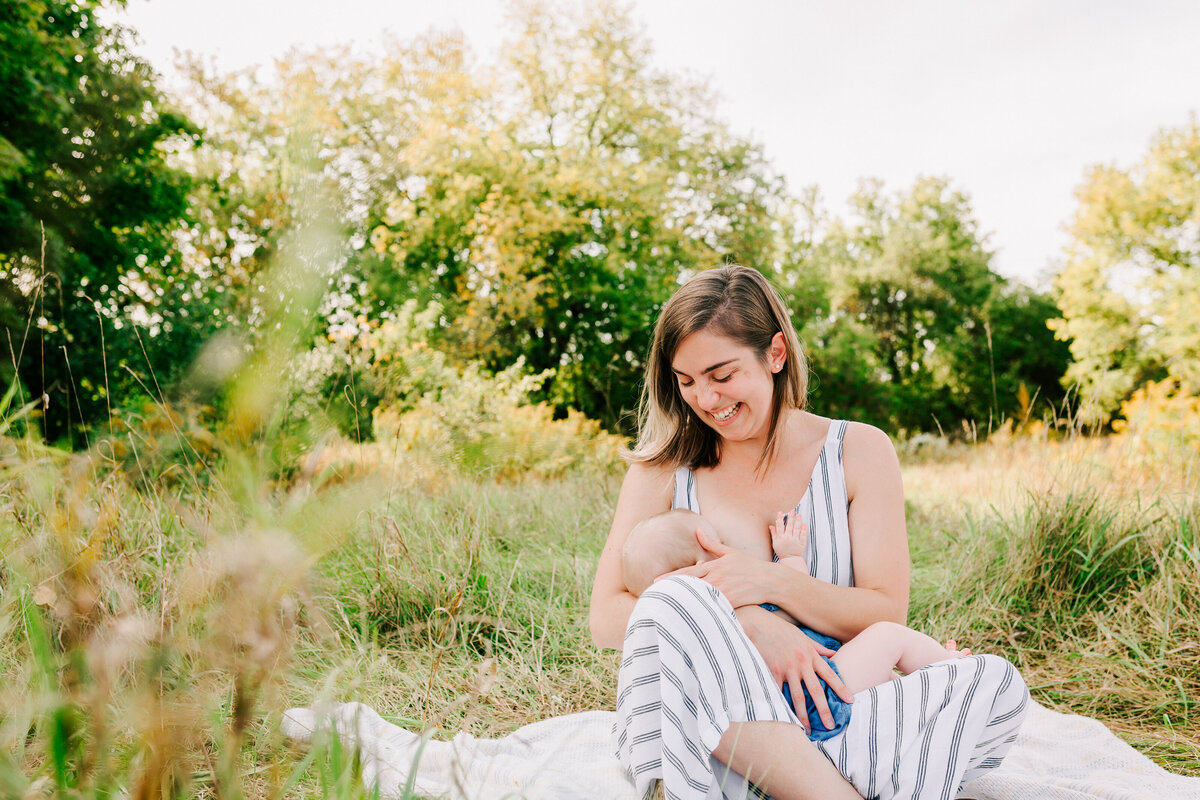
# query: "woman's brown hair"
{"points": [[733, 301]]}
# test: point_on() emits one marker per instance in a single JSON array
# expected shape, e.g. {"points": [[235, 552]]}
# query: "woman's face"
{"points": [[727, 384]]}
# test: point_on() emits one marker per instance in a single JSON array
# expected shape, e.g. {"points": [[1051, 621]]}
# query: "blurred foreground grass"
{"points": [[154, 627]]}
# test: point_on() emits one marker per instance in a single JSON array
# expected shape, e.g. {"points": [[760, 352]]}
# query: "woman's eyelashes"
{"points": [[724, 379]]}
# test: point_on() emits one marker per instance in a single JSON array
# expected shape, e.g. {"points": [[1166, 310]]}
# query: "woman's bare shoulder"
{"points": [[648, 480], [868, 455], [867, 439]]}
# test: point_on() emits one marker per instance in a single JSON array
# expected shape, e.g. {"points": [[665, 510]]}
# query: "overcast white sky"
{"points": [[1011, 99]]}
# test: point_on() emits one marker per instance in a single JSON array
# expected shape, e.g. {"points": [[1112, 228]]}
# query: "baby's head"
{"points": [[663, 543]]}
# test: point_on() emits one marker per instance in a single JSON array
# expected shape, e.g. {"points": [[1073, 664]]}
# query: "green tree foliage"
{"points": [[1131, 284], [923, 333], [549, 203], [554, 223], [239, 204], [84, 136]]}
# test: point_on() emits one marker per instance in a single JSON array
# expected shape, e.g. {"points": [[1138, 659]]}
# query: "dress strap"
{"points": [[824, 507], [837, 435], [685, 490]]}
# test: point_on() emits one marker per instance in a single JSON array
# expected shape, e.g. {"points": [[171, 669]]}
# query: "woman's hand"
{"points": [[742, 578], [795, 659]]}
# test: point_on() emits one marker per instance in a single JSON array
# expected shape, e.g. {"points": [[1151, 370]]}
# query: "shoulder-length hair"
{"points": [[736, 302]]}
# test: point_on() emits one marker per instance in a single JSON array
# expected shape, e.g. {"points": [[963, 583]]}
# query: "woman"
{"points": [[723, 424]]}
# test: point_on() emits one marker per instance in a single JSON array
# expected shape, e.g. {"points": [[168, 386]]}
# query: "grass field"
{"points": [[153, 628]]}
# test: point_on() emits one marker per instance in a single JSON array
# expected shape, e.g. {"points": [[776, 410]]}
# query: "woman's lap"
{"points": [[929, 733], [689, 671]]}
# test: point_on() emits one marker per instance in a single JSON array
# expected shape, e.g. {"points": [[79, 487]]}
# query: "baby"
{"points": [[667, 542]]}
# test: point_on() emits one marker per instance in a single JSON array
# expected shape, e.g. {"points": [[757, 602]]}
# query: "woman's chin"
{"points": [[740, 427]]}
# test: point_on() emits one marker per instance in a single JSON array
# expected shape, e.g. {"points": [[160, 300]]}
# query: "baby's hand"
{"points": [[789, 536]]}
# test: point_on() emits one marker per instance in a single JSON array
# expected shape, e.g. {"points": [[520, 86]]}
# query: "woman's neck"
{"points": [[745, 454]]}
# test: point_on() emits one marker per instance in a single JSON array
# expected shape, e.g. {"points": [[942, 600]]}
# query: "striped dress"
{"points": [[688, 671]]}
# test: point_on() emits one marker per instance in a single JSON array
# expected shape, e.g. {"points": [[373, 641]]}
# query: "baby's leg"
{"points": [[868, 659]]}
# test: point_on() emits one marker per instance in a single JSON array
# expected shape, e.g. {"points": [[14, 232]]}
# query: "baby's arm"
{"points": [[789, 537], [789, 540]]}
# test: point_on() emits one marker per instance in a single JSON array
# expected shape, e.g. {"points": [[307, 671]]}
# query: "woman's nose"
{"points": [[707, 396]]}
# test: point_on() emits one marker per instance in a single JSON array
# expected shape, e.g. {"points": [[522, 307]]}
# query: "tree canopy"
{"points": [[922, 333], [549, 203], [553, 224], [1131, 284], [87, 200], [545, 204]]}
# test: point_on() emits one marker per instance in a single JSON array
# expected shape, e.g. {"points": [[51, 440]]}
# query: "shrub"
{"points": [[432, 418], [164, 444], [1073, 554], [1161, 415]]}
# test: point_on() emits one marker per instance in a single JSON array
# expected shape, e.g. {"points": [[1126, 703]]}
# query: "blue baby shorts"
{"points": [[837, 706]]}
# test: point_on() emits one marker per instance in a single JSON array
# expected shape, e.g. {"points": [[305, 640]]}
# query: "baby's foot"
{"points": [[952, 650]]}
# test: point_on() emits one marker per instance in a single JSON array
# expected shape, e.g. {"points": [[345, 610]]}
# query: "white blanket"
{"points": [[1056, 757]]}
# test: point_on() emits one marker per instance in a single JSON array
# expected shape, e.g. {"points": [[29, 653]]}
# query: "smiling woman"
{"points": [[699, 696], [724, 389], [714, 355]]}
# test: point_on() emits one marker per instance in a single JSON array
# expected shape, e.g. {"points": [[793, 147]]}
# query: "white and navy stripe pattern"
{"points": [[929, 733], [689, 670]]}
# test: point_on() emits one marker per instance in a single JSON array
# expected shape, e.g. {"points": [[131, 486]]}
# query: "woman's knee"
{"points": [[1006, 678], [1001, 670], [677, 588]]}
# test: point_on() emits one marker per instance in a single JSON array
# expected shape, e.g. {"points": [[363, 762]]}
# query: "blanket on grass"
{"points": [[1056, 757]]}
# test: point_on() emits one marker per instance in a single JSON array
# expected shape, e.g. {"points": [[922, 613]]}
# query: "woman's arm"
{"points": [[878, 541], [646, 491], [878, 545]]}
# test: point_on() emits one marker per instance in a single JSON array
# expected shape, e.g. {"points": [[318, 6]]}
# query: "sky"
{"points": [[1012, 100]]}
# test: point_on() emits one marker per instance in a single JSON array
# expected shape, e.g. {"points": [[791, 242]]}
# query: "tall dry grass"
{"points": [[1079, 560], [166, 594], [161, 604]]}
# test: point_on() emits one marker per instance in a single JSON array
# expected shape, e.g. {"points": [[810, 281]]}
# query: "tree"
{"points": [[1131, 284], [548, 204], [552, 205], [84, 141], [913, 291]]}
